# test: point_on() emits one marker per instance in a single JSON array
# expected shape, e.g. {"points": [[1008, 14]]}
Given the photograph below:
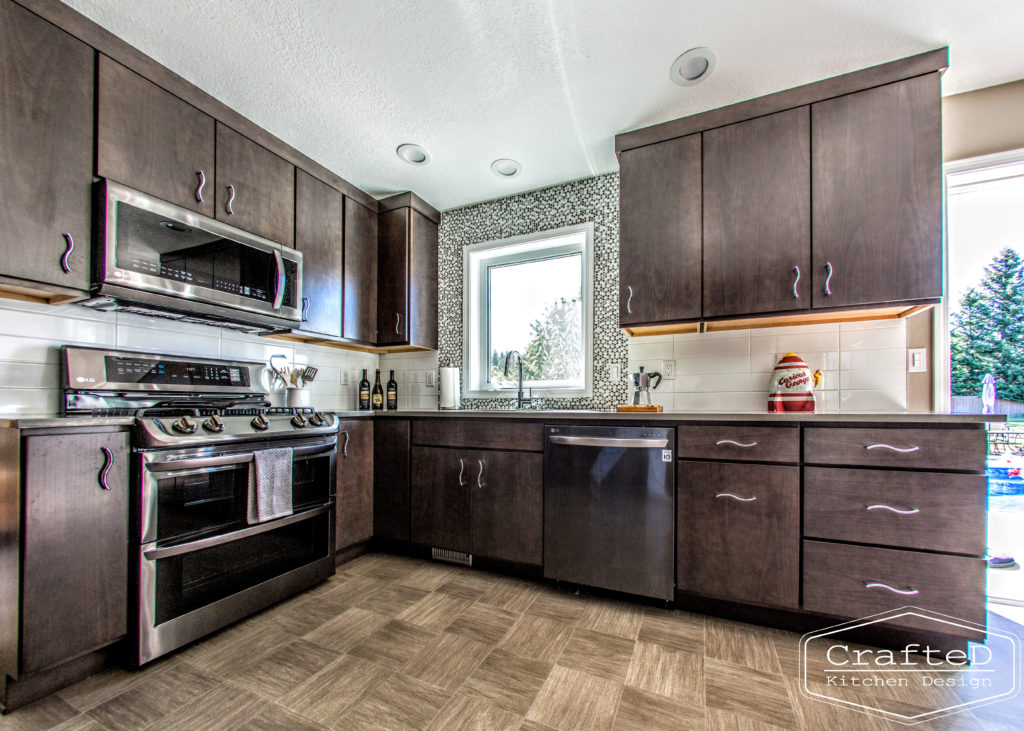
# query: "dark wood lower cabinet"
{"points": [[738, 532], [74, 546], [440, 498], [391, 479], [354, 522]]}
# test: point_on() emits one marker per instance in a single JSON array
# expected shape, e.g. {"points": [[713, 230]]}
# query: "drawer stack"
{"points": [[894, 517]]}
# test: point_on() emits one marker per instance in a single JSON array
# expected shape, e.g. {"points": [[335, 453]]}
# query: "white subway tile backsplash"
{"points": [[873, 380], [875, 338], [714, 347], [709, 382], [893, 400], [874, 360]]}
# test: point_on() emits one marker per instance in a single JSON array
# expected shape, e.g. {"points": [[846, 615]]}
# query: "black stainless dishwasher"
{"points": [[609, 507]]}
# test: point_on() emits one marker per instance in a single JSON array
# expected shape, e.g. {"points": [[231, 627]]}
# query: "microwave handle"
{"points": [[279, 281]]}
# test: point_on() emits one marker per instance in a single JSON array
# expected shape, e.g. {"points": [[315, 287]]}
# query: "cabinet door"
{"points": [[422, 329], [507, 495], [440, 498], [391, 479], [660, 232], [354, 522], [757, 215], [393, 277], [46, 110], [75, 542], [255, 188], [360, 311], [149, 139], [738, 532], [877, 187], [318, 235]]}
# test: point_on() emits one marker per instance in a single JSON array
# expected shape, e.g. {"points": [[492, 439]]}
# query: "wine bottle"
{"points": [[392, 393], [377, 398], [364, 393]]}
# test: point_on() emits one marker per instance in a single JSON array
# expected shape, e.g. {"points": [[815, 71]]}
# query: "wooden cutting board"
{"points": [[652, 408]]}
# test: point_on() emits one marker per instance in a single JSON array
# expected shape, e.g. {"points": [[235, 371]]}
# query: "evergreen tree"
{"points": [[554, 352], [965, 334]]}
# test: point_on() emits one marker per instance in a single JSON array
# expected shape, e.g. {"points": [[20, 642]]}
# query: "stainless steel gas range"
{"points": [[201, 557]]}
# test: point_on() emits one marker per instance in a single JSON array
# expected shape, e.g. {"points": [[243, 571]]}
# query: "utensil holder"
{"points": [[295, 398]]}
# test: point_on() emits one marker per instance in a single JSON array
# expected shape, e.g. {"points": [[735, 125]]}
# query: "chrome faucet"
{"points": [[519, 397]]}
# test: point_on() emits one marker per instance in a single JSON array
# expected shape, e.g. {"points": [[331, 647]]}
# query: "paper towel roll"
{"points": [[449, 386]]}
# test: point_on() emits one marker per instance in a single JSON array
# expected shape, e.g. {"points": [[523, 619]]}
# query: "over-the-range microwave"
{"points": [[155, 258]]}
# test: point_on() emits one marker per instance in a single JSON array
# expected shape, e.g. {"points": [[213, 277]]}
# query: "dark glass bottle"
{"points": [[392, 393], [364, 393], [377, 397]]}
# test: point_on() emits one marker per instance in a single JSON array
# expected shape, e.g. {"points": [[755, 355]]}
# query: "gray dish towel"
{"points": [[270, 485]]}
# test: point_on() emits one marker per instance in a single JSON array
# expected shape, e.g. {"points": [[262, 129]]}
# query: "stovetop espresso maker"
{"points": [[642, 385]]}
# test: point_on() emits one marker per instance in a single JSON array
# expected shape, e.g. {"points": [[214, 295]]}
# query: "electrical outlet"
{"points": [[669, 370], [917, 360], [614, 373]]}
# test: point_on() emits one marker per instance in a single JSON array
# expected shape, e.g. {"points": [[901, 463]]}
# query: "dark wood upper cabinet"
{"points": [[74, 542], [391, 479], [440, 499], [738, 532], [354, 523], [46, 125], [407, 279], [255, 188], [660, 232], [877, 190], [150, 140], [507, 505], [318, 236], [360, 291], [757, 215]]}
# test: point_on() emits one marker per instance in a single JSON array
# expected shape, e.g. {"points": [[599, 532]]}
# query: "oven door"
{"points": [[200, 565]]}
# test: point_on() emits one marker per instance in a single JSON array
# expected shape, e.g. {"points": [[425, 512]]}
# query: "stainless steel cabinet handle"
{"points": [[462, 469], [796, 292], [609, 442], [735, 497], [305, 309], [879, 585], [828, 268], [902, 450], [629, 300], [108, 462], [65, 264], [733, 442], [398, 323], [480, 474], [344, 447], [911, 511], [199, 188], [231, 199]]}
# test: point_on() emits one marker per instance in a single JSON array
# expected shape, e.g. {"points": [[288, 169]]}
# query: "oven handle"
{"points": [[176, 465], [158, 553]]}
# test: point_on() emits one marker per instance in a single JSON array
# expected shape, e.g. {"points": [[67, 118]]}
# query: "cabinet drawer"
{"points": [[925, 510], [740, 443], [478, 434], [921, 449], [845, 581]]}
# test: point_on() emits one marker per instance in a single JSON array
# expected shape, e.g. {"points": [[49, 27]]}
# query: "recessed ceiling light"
{"points": [[413, 154], [505, 168], [692, 67]]}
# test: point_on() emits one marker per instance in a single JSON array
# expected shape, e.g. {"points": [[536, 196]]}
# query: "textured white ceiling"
{"points": [[545, 82]]}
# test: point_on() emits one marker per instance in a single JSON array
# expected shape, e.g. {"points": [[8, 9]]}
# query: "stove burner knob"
{"points": [[298, 421], [184, 425], [317, 419], [260, 423], [214, 424]]}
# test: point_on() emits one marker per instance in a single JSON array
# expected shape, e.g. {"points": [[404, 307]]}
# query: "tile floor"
{"points": [[397, 643]]}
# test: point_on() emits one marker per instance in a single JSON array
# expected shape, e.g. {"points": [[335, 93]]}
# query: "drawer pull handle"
{"points": [[65, 263], [629, 300], [911, 511], [828, 279], [462, 469], [480, 474], [200, 186], [880, 585], [901, 450], [796, 292], [735, 497], [733, 442], [108, 462], [228, 207]]}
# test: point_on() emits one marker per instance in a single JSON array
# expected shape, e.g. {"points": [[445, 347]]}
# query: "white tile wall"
{"points": [[31, 335], [411, 371], [863, 366]]}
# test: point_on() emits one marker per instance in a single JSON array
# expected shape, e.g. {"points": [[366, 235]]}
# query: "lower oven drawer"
{"points": [[851, 582], [924, 510]]}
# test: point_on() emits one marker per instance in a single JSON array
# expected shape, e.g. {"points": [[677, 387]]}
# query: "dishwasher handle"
{"points": [[610, 442]]}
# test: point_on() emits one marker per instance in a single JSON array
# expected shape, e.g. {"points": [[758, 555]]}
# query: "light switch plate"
{"points": [[431, 379], [614, 374], [917, 360]]}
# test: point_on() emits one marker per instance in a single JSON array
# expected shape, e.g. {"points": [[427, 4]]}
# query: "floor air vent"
{"points": [[443, 554]]}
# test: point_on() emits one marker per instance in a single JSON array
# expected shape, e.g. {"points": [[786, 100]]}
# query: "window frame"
{"points": [[537, 246]]}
